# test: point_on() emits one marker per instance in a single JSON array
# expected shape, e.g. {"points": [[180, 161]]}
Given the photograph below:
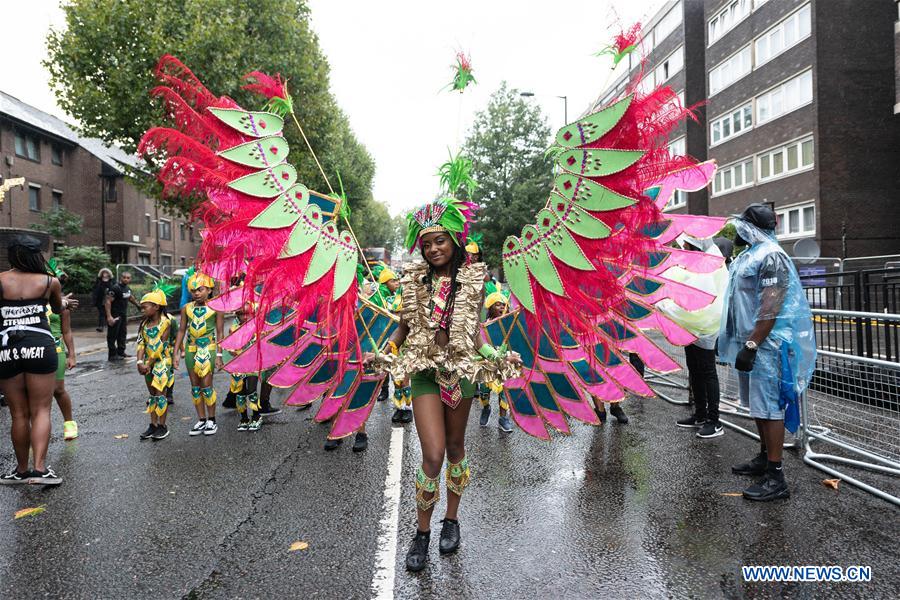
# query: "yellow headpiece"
{"points": [[198, 280], [386, 275], [494, 298], [157, 297], [472, 248]]}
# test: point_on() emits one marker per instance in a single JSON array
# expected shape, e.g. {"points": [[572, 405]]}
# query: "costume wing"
{"points": [[587, 274], [267, 230]]}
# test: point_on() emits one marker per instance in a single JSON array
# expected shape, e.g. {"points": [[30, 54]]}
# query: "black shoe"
{"points": [[397, 416], [449, 542], [161, 433], [333, 444], [230, 401], [98, 329], [406, 416], [691, 421], [768, 489], [361, 442], [14, 477], [116, 358], [417, 557], [616, 410], [711, 429], [125, 355], [755, 467], [485, 417], [269, 411], [382, 395], [151, 429], [48, 477]]}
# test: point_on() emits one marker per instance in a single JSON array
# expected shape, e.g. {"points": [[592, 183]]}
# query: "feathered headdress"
{"points": [[449, 214], [474, 245], [160, 293], [462, 73]]}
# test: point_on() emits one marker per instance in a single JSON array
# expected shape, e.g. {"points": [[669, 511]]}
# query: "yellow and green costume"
{"points": [[200, 341], [61, 354], [158, 344]]}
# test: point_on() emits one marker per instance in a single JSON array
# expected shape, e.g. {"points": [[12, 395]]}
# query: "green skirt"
{"points": [[423, 383]]}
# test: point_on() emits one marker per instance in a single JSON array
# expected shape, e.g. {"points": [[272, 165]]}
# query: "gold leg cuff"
{"points": [[458, 476], [426, 485]]}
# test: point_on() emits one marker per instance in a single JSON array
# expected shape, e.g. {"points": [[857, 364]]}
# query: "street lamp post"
{"points": [[565, 100]]}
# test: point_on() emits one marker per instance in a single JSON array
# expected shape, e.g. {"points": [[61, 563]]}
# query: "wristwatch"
{"points": [[751, 345]]}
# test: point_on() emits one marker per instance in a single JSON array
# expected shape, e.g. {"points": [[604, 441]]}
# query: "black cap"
{"points": [[29, 242], [760, 215]]}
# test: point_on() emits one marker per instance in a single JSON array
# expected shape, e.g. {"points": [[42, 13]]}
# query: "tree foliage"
{"points": [[507, 143], [101, 70], [59, 223], [81, 264]]}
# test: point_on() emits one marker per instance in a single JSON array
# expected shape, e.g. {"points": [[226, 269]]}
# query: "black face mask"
{"points": [[739, 241]]}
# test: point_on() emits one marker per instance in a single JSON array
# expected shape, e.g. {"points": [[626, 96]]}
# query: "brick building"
{"points": [[799, 113], [897, 60], [86, 177]]}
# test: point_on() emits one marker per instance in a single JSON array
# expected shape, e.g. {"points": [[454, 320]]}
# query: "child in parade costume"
{"points": [[61, 328], [155, 357], [444, 357], [496, 304], [201, 328], [243, 387]]}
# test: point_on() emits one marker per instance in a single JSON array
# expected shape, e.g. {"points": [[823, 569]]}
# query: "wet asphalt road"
{"points": [[619, 511]]}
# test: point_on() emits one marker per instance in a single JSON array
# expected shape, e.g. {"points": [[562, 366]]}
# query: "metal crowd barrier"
{"points": [[852, 405]]}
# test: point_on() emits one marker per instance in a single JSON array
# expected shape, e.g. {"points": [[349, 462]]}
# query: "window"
{"points": [[731, 124], [730, 70], [796, 221], [165, 260], [669, 67], [181, 231], [726, 19], [143, 258], [667, 25], [57, 200], [733, 177], [784, 35], [109, 189], [56, 155], [165, 229], [790, 95], [191, 233], [34, 198], [677, 147], [147, 222], [786, 160], [678, 199], [28, 146]]}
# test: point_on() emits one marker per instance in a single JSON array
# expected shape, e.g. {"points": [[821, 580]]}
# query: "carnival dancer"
{"points": [[496, 304], [201, 328], [244, 387], [155, 358], [439, 326], [61, 328]]}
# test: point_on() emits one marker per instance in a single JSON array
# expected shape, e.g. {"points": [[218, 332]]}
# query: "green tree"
{"points": [[507, 143], [81, 264], [59, 223], [372, 225], [101, 70]]}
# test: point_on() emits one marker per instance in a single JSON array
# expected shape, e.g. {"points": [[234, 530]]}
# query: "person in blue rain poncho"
{"points": [[767, 335]]}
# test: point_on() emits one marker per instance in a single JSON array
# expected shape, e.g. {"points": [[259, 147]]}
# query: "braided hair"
{"points": [[28, 261], [457, 259]]}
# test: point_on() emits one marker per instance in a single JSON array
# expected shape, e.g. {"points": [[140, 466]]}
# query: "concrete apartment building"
{"points": [[63, 169], [799, 112]]}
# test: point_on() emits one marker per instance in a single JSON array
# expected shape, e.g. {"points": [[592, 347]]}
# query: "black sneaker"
{"points": [[711, 429], [615, 409], [161, 433], [333, 444], [754, 467], [485, 416], [768, 489], [47, 477], [151, 429], [361, 443], [449, 542], [269, 411], [691, 421], [116, 358], [14, 477], [244, 425], [254, 424], [417, 556], [407, 416], [397, 416]]}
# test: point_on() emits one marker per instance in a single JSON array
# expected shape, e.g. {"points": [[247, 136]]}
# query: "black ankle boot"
{"points": [[449, 542], [417, 557]]}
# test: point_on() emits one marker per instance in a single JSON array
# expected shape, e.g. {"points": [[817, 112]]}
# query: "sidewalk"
{"points": [[88, 340]]}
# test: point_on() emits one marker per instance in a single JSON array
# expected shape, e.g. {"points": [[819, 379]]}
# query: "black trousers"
{"points": [[101, 317], [704, 381], [116, 336]]}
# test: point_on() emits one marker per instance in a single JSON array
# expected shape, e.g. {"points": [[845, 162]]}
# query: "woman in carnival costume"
{"points": [[201, 328], [61, 328], [156, 345], [444, 357]]}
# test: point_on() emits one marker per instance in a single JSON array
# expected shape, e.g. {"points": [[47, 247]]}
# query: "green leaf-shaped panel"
{"points": [[593, 127], [345, 269], [516, 270], [560, 242], [324, 255], [537, 257], [256, 124], [261, 153], [305, 233], [597, 162], [267, 183], [590, 195], [577, 220], [285, 210]]}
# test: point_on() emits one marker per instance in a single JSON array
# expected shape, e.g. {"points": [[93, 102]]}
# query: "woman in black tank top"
{"points": [[28, 356]]}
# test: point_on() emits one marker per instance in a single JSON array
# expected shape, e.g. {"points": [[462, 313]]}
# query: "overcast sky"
{"points": [[389, 61]]}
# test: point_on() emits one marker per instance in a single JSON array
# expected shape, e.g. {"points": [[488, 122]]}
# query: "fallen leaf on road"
{"points": [[298, 546], [832, 483], [185, 418], [731, 494], [121, 436], [28, 512]]}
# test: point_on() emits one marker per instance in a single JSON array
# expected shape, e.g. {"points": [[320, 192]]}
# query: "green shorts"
{"points": [[423, 383], [60, 366]]}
